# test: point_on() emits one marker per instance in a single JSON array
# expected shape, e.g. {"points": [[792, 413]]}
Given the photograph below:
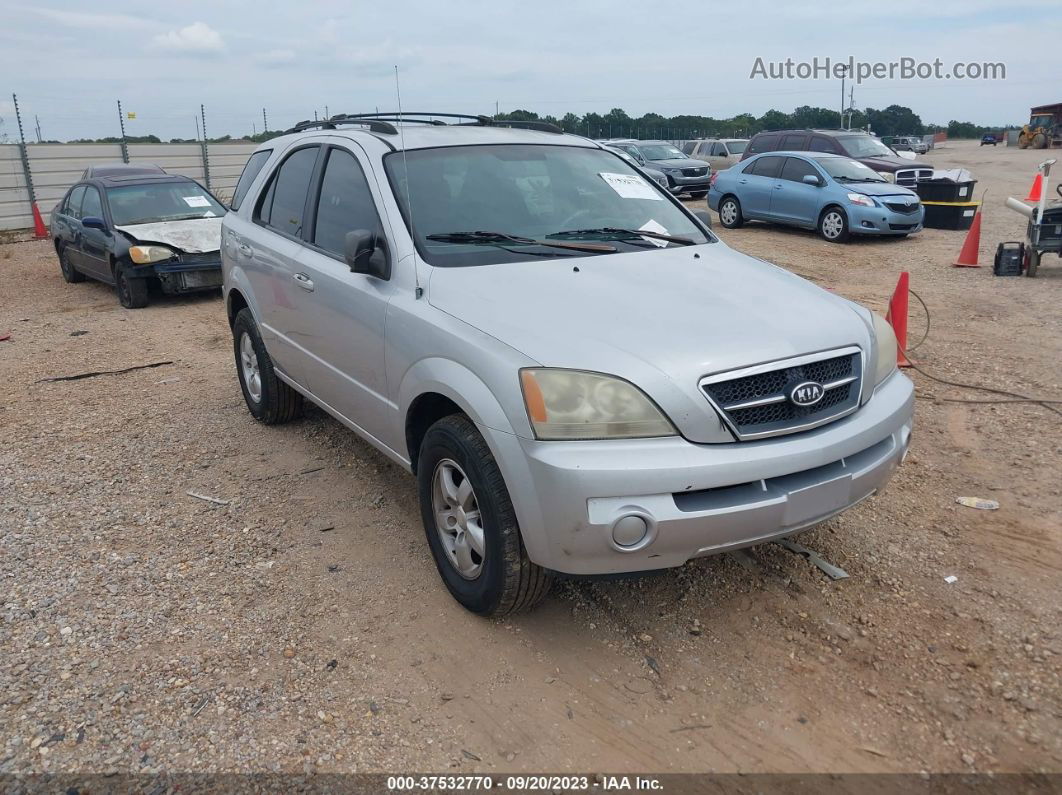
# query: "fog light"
{"points": [[630, 530]]}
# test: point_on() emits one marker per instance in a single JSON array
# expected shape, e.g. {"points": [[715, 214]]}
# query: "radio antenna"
{"points": [[409, 202]]}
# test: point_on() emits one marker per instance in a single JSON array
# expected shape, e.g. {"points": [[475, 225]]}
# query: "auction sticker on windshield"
{"points": [[630, 186], [196, 201]]}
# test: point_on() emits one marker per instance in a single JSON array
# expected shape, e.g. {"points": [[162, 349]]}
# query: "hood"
{"points": [[661, 319], [683, 162], [194, 236], [879, 189], [890, 163]]}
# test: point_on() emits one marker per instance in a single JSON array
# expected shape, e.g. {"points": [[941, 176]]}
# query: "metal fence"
{"points": [[53, 168]]}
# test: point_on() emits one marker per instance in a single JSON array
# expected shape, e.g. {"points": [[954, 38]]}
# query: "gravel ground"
{"points": [[301, 626]]}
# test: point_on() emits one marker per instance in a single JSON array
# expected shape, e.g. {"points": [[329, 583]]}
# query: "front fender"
{"points": [[456, 382]]}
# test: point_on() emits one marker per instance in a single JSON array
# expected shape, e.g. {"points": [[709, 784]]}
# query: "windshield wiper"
{"points": [[498, 238], [615, 232]]}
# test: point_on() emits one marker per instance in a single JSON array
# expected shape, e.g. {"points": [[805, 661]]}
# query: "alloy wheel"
{"points": [[252, 378], [458, 519], [832, 225]]}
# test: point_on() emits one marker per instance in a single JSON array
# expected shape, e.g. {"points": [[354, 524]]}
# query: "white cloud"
{"points": [[277, 57], [197, 37]]}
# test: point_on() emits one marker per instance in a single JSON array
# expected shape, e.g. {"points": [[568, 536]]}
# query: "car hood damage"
{"points": [[192, 236], [660, 319]]}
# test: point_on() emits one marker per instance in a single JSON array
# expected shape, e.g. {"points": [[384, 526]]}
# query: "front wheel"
{"points": [[1032, 263], [730, 213], [833, 225], [269, 399], [699, 194], [132, 292], [471, 524]]}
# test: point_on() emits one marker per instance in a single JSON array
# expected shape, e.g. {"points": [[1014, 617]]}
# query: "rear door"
{"points": [[72, 218], [345, 311], [95, 243], [267, 252], [792, 200], [757, 183]]}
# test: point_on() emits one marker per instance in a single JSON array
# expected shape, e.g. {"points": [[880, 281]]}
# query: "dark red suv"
{"points": [[860, 146]]}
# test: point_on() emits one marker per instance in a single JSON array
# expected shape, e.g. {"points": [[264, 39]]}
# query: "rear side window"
{"points": [[91, 206], [73, 204], [284, 202], [763, 143], [250, 171], [345, 203], [794, 143], [768, 166], [796, 169]]}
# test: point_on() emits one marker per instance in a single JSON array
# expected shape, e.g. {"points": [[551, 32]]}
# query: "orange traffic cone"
{"points": [[1034, 191], [897, 317], [968, 255], [39, 229]]}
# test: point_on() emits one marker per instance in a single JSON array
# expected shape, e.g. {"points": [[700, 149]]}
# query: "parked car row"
{"points": [[583, 379]]}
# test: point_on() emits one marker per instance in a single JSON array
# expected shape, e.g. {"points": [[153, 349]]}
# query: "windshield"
{"points": [[864, 146], [736, 147], [844, 170], [661, 152], [529, 193], [161, 201]]}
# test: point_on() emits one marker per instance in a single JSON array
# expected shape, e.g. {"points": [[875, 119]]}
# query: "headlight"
{"points": [[572, 404], [859, 198], [142, 255], [888, 177], [886, 344]]}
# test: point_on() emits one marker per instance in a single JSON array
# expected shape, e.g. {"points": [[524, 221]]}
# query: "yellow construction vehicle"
{"points": [[1044, 128]]}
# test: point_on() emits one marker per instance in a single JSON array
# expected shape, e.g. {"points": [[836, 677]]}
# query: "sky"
{"points": [[70, 62]]}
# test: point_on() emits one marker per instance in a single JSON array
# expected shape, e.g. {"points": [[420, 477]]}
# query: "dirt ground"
{"points": [[302, 626]]}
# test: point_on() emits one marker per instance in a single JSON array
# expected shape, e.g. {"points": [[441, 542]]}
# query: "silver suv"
{"points": [[582, 378]]}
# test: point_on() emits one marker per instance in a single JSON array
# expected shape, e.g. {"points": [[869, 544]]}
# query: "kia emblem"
{"points": [[806, 393]]}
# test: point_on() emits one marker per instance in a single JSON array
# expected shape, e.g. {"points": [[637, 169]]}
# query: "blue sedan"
{"points": [[836, 195]]}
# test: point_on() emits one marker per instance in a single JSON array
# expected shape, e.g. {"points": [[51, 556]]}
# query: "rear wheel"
{"points": [[471, 524], [699, 194], [730, 213], [833, 225], [71, 275], [1032, 262], [132, 292], [269, 399], [1039, 141]]}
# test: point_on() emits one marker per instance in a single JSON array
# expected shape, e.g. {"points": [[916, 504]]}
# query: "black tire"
{"points": [[71, 275], [730, 220], [132, 293], [1032, 263], [507, 580], [277, 402], [699, 194], [1039, 141], [829, 229]]}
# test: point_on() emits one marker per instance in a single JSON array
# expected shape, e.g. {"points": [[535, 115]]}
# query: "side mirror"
{"points": [[366, 252], [94, 222], [704, 217], [811, 179]]}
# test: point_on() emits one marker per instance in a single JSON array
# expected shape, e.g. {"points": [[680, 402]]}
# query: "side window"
{"points": [[719, 150], [768, 166], [820, 144], [250, 171], [91, 205], [345, 203], [764, 143], [284, 202], [796, 169], [73, 204], [794, 143]]}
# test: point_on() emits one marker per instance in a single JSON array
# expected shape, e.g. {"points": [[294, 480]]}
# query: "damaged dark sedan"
{"points": [[139, 231]]}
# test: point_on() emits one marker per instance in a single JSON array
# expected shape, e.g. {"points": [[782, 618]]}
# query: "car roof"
{"points": [[431, 136], [113, 169], [830, 133], [118, 180]]}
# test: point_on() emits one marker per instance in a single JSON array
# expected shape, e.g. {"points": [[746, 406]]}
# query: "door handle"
{"points": [[778, 187], [246, 250], [303, 281], [743, 182]]}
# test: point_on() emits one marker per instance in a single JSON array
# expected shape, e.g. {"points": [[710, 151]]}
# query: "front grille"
{"points": [[195, 259], [911, 176], [907, 209], [755, 401], [694, 172]]}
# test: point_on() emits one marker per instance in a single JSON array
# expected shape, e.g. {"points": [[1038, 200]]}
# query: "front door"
{"points": [[345, 311]]}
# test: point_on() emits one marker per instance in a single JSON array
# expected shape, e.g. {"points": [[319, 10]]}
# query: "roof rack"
{"points": [[384, 122]]}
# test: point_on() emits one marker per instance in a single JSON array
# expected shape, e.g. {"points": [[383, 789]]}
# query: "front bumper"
{"points": [[883, 221], [681, 184], [184, 277], [696, 499]]}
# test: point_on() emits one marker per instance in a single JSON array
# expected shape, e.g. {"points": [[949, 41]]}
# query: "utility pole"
{"points": [[121, 124], [497, 112], [265, 121], [851, 104], [37, 121], [197, 136], [254, 130], [844, 72]]}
